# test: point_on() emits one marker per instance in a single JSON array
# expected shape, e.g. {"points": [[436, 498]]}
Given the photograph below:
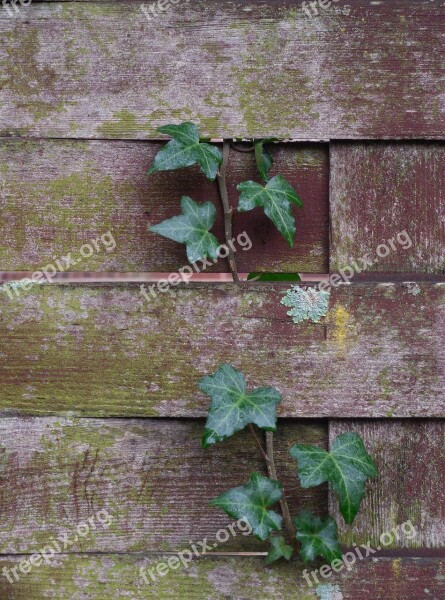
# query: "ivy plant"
{"points": [[347, 467], [233, 407], [276, 198]]}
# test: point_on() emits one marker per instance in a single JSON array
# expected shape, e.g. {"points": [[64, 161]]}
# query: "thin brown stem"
{"points": [[257, 440], [228, 210], [272, 472], [273, 475]]}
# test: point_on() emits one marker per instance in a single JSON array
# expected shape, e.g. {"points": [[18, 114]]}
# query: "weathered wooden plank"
{"points": [[93, 577], [411, 459], [57, 196], [355, 70], [105, 350], [152, 478], [379, 191]]}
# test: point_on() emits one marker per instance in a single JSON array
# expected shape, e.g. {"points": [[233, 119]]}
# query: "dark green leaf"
{"points": [[192, 228], [263, 159], [185, 150], [279, 549], [318, 537], [273, 277], [276, 198], [346, 467], [251, 501], [232, 407]]}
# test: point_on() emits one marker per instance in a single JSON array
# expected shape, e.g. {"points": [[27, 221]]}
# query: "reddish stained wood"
{"points": [[151, 476], [95, 577], [378, 191], [379, 352], [59, 195], [410, 456], [240, 69]]}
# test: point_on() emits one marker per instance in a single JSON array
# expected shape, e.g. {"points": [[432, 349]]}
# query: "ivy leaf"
{"points": [[251, 501], [232, 407], [185, 150], [279, 550], [346, 467], [276, 198], [263, 158], [318, 537], [192, 228]]}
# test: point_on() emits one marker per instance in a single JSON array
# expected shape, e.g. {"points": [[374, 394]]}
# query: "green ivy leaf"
{"points": [[318, 537], [192, 228], [264, 160], [276, 198], [185, 150], [251, 501], [346, 467], [232, 407], [279, 550]]}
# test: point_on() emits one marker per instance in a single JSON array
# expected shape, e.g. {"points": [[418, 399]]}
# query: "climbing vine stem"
{"points": [[268, 456], [228, 210], [273, 475]]}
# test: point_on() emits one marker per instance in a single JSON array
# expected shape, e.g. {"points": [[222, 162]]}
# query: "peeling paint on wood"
{"points": [[105, 351], [78, 69]]}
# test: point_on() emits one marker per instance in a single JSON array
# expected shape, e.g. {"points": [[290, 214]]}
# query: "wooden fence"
{"points": [[98, 393]]}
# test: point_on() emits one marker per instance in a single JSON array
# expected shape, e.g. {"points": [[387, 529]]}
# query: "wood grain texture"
{"points": [[410, 456], [378, 191], [151, 476], [56, 196], [104, 350], [95, 70], [92, 577]]}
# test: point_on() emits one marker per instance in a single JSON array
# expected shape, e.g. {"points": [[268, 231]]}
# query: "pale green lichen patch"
{"points": [[327, 591], [413, 289], [306, 305]]}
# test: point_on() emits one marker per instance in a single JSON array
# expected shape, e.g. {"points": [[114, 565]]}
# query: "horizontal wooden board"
{"points": [[92, 577], [410, 456], [359, 69], [57, 196], [152, 477], [104, 350], [388, 191]]}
